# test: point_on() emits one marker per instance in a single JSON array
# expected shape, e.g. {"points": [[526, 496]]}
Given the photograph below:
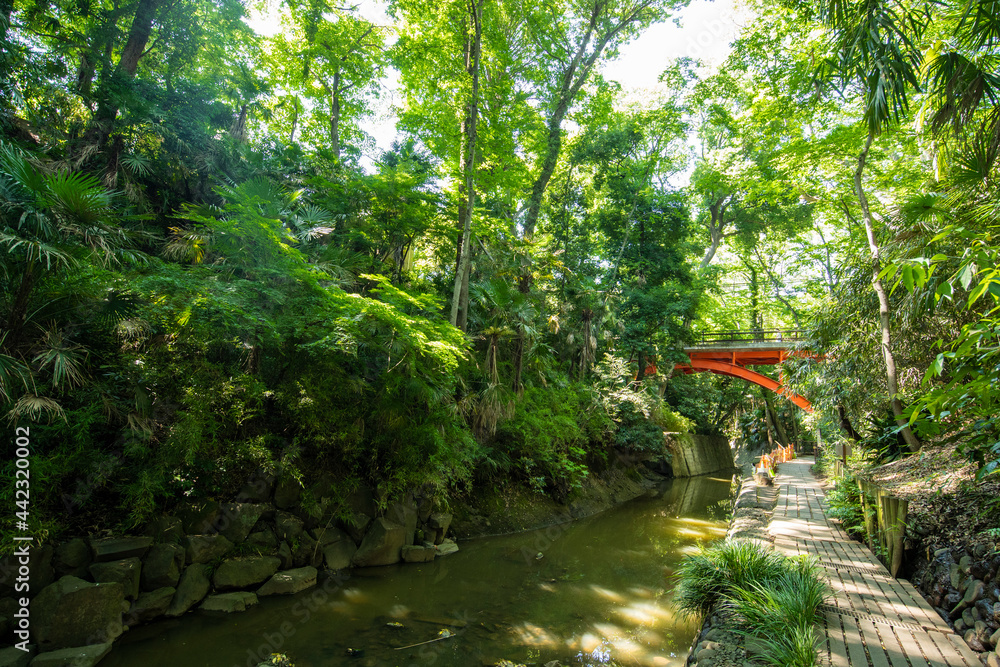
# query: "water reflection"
{"points": [[594, 592]]}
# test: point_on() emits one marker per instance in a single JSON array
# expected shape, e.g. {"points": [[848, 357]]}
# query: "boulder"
{"points": [[72, 557], [191, 589], [289, 582], [162, 567], [382, 545], [244, 572], [264, 540], [439, 524], [81, 656], [119, 548], [151, 605], [287, 526], [329, 535], [72, 612], [15, 657], [205, 548], [167, 529], [307, 552], [357, 526], [992, 660], [200, 518], [405, 514], [40, 570], [973, 592], [238, 519], [229, 602], [285, 555], [125, 572], [337, 556], [287, 493], [417, 554], [257, 489], [447, 547]]}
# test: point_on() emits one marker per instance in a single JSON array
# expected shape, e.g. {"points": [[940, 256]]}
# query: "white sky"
{"points": [[703, 30]]}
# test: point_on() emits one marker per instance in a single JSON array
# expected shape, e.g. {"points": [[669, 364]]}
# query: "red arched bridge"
{"points": [[731, 352]]}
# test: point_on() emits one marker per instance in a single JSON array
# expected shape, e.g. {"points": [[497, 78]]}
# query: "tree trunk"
{"points": [[295, 120], [716, 230], [138, 37], [773, 420], [472, 116], [883, 302], [335, 117], [845, 424], [19, 306]]}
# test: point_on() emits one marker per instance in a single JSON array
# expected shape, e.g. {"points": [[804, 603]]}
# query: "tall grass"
{"points": [[768, 596]]}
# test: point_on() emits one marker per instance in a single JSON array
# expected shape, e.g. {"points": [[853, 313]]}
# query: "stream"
{"points": [[593, 592]]}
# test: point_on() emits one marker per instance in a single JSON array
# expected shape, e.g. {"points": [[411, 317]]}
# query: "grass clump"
{"points": [[768, 596]]}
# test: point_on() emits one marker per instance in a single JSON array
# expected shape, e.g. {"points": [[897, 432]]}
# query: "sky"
{"points": [[703, 30]]}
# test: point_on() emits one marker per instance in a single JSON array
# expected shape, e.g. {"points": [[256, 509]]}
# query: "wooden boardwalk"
{"points": [[871, 618]]}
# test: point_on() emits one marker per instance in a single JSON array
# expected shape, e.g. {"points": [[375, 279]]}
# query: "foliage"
{"points": [[771, 597], [844, 501]]}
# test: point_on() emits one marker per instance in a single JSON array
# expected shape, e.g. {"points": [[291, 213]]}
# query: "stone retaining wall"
{"points": [[717, 645], [277, 539], [694, 455]]}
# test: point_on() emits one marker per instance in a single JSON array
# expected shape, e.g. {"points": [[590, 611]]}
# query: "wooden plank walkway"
{"points": [[871, 619]]}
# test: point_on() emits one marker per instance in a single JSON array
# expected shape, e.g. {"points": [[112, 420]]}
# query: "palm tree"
{"points": [[50, 223]]}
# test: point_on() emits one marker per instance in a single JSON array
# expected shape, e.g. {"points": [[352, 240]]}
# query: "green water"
{"points": [[593, 592]]}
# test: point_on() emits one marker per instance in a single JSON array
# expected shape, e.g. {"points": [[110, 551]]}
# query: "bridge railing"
{"points": [[746, 336]]}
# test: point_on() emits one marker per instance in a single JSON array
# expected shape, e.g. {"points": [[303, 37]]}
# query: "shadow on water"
{"points": [[592, 592]]}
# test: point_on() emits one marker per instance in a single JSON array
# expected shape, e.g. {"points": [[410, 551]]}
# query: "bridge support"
{"points": [[726, 368]]}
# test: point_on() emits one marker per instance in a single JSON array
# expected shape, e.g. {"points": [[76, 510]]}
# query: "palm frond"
{"points": [[34, 407]]}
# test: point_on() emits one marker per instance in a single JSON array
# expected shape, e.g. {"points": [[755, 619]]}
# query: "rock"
{"points": [[447, 547], [969, 619], [15, 657], [973, 641], [71, 612], [244, 572], [982, 632], [327, 536], [382, 545], [995, 638], [357, 525], [206, 548], [993, 660], [264, 540], [287, 493], [965, 563], [40, 570], [285, 555], [162, 567], [439, 522], [229, 602], [192, 589], [955, 575], [72, 557], [289, 582], [151, 605], [200, 518], [119, 548], [984, 608], [257, 489], [287, 526], [307, 552], [166, 529], [405, 514], [237, 520], [125, 572], [81, 656], [953, 601], [960, 625], [417, 554], [337, 556], [973, 592]]}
